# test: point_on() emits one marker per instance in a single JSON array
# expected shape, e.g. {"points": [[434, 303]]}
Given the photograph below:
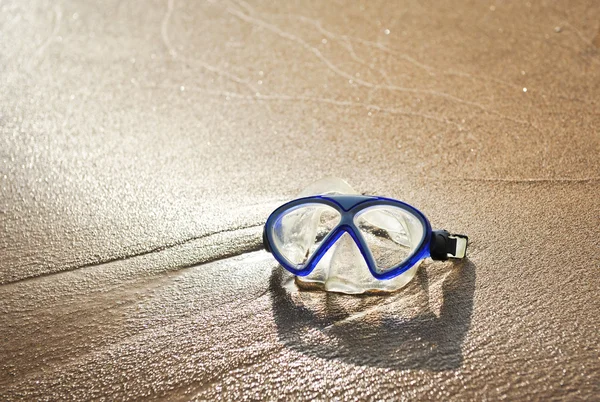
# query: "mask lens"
{"points": [[299, 231], [391, 233]]}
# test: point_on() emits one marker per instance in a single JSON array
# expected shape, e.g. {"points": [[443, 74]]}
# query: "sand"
{"points": [[142, 146]]}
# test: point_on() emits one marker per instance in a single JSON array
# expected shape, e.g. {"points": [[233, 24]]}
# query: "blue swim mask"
{"points": [[392, 236]]}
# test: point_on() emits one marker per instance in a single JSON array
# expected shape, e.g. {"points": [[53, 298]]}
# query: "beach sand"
{"points": [[143, 145]]}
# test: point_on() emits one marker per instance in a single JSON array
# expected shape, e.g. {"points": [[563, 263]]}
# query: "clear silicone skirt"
{"points": [[336, 240]]}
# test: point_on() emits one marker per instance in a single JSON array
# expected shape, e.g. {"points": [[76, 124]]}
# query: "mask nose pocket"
{"points": [[344, 269]]}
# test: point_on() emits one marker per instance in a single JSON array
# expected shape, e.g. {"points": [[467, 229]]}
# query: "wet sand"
{"points": [[142, 146]]}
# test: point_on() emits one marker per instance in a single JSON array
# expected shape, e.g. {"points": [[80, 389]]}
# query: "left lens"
{"points": [[299, 231], [391, 233]]}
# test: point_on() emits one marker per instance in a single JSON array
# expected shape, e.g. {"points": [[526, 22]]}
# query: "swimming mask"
{"points": [[392, 236]]}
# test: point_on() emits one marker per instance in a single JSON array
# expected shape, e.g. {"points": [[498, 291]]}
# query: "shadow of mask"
{"points": [[420, 327]]}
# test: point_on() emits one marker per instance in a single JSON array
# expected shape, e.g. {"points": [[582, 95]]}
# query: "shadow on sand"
{"points": [[397, 331]]}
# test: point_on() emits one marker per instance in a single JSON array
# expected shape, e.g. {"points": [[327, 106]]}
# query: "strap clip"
{"points": [[445, 245]]}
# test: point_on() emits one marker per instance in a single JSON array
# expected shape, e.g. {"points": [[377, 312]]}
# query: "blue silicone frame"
{"points": [[348, 206]]}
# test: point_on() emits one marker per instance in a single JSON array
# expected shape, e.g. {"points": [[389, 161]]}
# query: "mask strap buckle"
{"points": [[444, 245]]}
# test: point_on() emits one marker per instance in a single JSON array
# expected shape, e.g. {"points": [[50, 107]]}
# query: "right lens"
{"points": [[391, 233], [300, 230]]}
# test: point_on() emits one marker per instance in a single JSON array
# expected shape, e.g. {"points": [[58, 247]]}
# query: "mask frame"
{"points": [[439, 245]]}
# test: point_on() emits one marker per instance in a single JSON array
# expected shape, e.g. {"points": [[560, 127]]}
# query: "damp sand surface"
{"points": [[142, 146]]}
